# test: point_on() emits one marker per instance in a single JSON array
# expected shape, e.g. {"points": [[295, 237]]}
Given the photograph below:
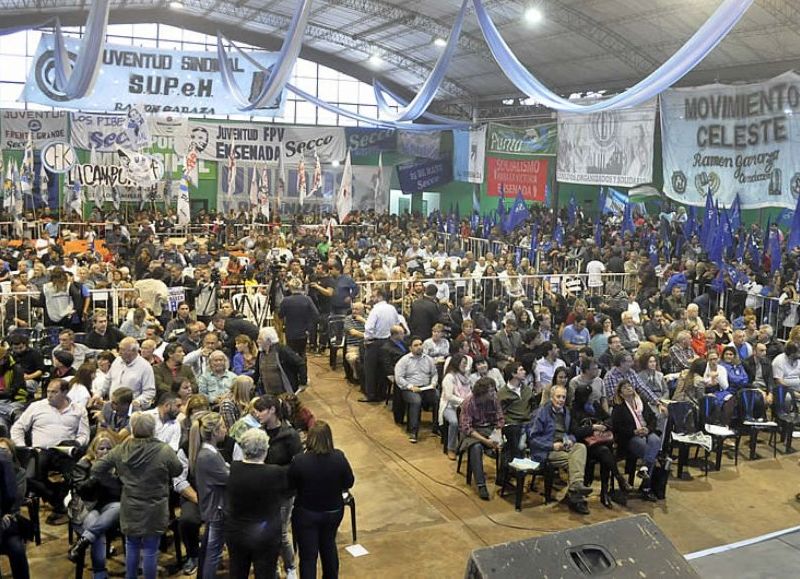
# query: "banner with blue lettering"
{"points": [[162, 80], [728, 139], [364, 141], [422, 176], [105, 132]]}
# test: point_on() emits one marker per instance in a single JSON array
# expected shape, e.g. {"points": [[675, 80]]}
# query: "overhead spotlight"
{"points": [[335, 163], [440, 42], [375, 59], [176, 5], [533, 15]]}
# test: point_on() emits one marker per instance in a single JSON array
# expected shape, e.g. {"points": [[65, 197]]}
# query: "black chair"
{"points": [[460, 459], [785, 413], [519, 475], [682, 419], [336, 338], [33, 501], [350, 501], [753, 414], [710, 417]]}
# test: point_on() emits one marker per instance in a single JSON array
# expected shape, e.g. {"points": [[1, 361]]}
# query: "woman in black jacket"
{"points": [[320, 476], [103, 493], [633, 423], [589, 419], [253, 509]]}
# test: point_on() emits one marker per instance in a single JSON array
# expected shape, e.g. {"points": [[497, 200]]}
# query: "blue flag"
{"points": [[558, 234], [572, 211], [736, 214], [765, 242], [627, 220], [752, 245], [652, 250], [519, 214], [501, 204], [709, 216], [718, 285], [775, 253], [598, 233], [794, 232], [534, 242], [741, 248], [601, 202], [517, 256], [726, 233], [691, 223]]}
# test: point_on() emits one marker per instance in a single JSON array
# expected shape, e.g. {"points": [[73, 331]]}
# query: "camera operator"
{"points": [[205, 293], [320, 289], [299, 316]]}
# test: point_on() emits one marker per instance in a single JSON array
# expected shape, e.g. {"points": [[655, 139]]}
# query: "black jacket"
{"points": [[389, 354], [299, 314], [294, 366], [766, 371], [424, 314], [235, 327], [624, 425]]}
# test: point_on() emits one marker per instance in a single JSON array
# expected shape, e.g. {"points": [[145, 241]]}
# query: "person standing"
{"points": [[424, 313], [145, 466], [320, 475], [376, 333], [299, 317]]}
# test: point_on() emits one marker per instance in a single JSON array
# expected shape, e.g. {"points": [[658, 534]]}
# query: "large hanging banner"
{"points": [[104, 133], [607, 148], [424, 175], [512, 175], [43, 126], [469, 155], [161, 80], [262, 143], [538, 140], [741, 139], [365, 141], [419, 144]]}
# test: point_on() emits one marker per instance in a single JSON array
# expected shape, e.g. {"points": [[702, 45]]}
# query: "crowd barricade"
{"points": [[506, 289]]}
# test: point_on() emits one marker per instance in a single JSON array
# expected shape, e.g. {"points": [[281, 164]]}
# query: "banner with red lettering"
{"points": [[529, 175]]}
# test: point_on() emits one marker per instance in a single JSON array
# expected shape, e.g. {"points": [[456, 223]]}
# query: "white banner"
{"points": [[419, 144], [741, 139], [262, 143], [106, 132], [607, 148], [44, 126], [469, 156]]}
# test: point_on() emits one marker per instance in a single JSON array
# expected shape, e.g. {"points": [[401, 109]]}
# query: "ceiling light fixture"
{"points": [[176, 5], [533, 15], [334, 163], [440, 42], [375, 59]]}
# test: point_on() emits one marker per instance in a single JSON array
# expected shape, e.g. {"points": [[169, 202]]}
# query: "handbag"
{"points": [[605, 437]]}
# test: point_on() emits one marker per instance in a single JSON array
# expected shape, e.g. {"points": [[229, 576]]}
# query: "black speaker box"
{"points": [[629, 548]]}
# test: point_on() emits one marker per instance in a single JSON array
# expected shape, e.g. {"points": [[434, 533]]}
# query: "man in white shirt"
{"points": [[57, 426], [166, 413], [547, 365], [786, 368], [416, 375], [133, 371]]}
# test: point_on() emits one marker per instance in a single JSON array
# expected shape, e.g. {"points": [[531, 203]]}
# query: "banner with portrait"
{"points": [[730, 139], [538, 140], [161, 80], [264, 143], [469, 154], [607, 148]]}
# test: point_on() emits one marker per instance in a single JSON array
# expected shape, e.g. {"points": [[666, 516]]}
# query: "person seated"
{"points": [[354, 325], [576, 336], [546, 366], [179, 325], [103, 336], [100, 498], [297, 414], [470, 335], [66, 343], [62, 365], [13, 393], [590, 419], [28, 359], [481, 425], [115, 414], [437, 346], [629, 332], [148, 352], [560, 378], [549, 439], [528, 350], [623, 370], [53, 422], [192, 338], [455, 388], [394, 349], [133, 371], [135, 328], [482, 370], [416, 376], [633, 424], [233, 404], [759, 371], [615, 347], [244, 360], [216, 380], [744, 350], [13, 488], [681, 354], [505, 344], [518, 404], [172, 369]]}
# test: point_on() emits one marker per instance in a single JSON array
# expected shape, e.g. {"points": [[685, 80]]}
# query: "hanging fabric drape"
{"points": [[453, 124], [281, 72], [685, 59], [77, 81], [444, 124], [423, 99], [20, 28]]}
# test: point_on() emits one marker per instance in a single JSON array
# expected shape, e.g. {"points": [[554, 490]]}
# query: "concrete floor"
{"points": [[417, 517]]}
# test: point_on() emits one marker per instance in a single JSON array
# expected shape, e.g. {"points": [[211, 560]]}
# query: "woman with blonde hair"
{"points": [[61, 299], [103, 494], [235, 403], [210, 473], [244, 360]]}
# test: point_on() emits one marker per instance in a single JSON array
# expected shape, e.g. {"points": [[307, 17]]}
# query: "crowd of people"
{"points": [[159, 409]]}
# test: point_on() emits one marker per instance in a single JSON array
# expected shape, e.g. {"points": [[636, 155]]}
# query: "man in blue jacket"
{"points": [[550, 440]]}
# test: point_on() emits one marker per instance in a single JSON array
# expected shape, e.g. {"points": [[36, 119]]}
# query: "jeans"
{"points": [[255, 544], [414, 401], [286, 549], [647, 448], [211, 551], [94, 528], [147, 547], [13, 546], [316, 536], [476, 463], [451, 419]]}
